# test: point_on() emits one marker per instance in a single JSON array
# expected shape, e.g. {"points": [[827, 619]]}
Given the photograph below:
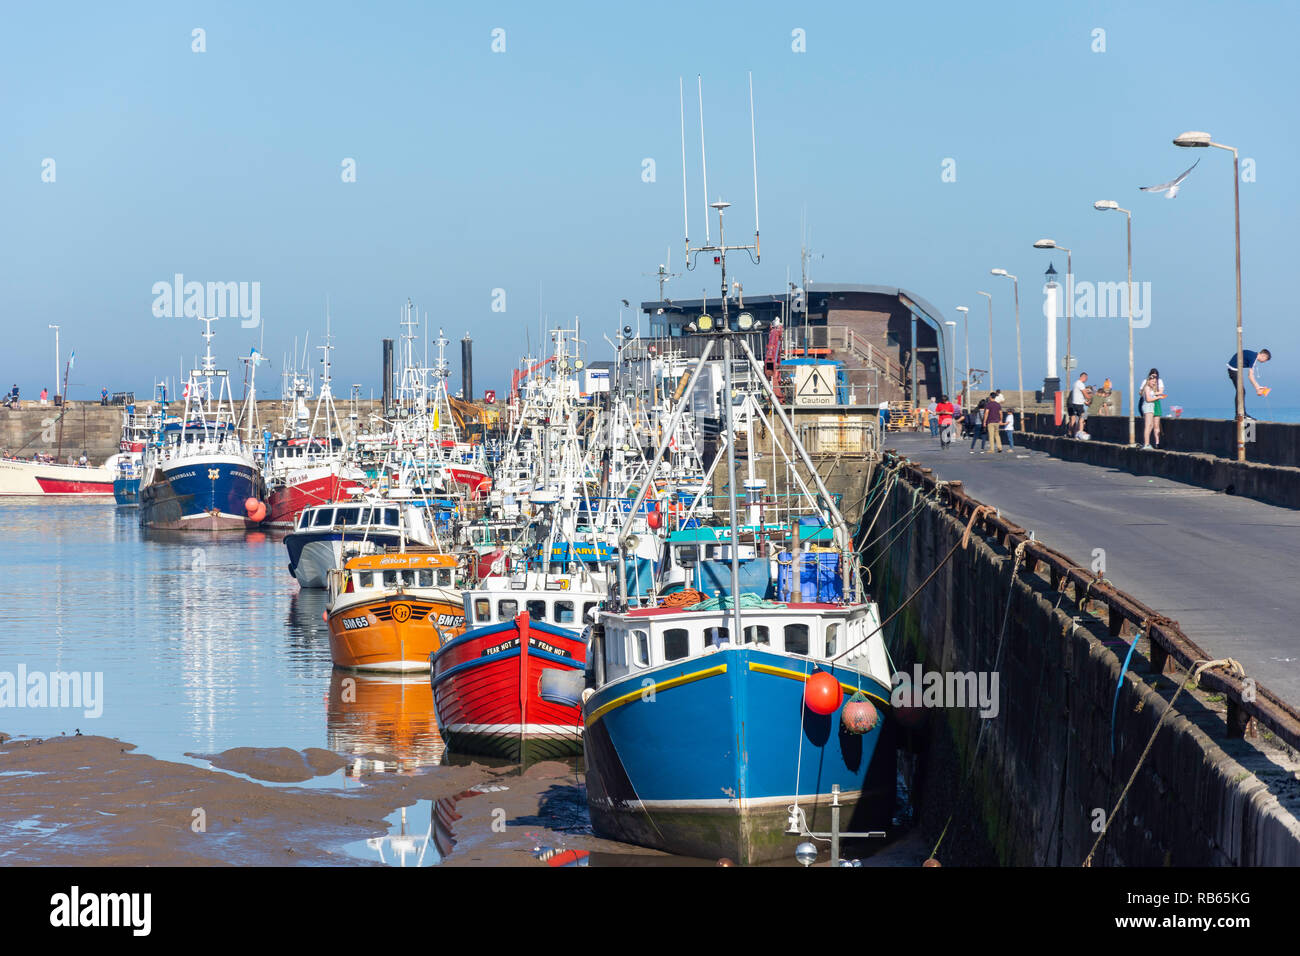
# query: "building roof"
{"points": [[909, 299]]}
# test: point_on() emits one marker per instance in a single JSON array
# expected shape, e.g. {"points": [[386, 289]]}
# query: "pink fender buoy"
{"points": [[859, 716]]}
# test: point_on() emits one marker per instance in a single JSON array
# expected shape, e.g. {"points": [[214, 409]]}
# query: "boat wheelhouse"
{"points": [[325, 535], [390, 612]]}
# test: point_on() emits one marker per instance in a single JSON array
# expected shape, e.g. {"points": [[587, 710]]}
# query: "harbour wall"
{"points": [[1038, 786], [1200, 452], [97, 429]]}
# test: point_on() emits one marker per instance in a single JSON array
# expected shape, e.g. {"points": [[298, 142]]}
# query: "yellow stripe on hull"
{"points": [[627, 698], [802, 677]]}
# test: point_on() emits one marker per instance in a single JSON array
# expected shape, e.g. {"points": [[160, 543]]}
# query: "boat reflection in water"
{"points": [[383, 723]]}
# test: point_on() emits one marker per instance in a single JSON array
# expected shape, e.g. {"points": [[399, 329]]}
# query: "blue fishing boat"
{"points": [[703, 745], [198, 474]]}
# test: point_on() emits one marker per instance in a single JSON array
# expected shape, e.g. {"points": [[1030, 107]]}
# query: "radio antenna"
{"points": [[681, 99], [703, 163], [753, 142]]}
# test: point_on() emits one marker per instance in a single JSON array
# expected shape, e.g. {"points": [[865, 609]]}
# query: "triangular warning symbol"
{"points": [[814, 385]]}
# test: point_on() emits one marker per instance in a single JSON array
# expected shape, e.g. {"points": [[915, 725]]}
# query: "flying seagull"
{"points": [[1170, 189]]}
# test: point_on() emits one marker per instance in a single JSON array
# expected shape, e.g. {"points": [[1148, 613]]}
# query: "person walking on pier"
{"points": [[943, 411], [977, 426], [993, 422], [931, 414], [1009, 426], [1249, 359]]}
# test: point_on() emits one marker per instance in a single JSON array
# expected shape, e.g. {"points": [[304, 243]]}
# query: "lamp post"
{"points": [[1103, 205], [952, 356], [1200, 139], [1020, 372], [56, 358], [965, 315], [989, 296], [1069, 294]]}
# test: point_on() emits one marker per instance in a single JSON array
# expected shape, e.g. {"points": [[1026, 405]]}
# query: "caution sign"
{"points": [[815, 385]]}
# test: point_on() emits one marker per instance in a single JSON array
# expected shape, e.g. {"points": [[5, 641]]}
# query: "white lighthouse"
{"points": [[1051, 308]]}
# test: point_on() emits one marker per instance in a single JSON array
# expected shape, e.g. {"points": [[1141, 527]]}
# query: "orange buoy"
{"points": [[259, 513], [654, 519], [250, 505], [822, 693]]}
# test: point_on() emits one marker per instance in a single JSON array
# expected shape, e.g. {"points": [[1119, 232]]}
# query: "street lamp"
{"points": [[1069, 295], [952, 356], [1020, 373], [1201, 139], [989, 295], [1103, 205], [965, 315]]}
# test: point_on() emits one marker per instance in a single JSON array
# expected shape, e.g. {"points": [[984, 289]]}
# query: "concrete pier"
{"points": [[1033, 784]]}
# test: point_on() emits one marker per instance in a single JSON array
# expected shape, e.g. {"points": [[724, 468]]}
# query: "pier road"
{"points": [[1224, 567]]}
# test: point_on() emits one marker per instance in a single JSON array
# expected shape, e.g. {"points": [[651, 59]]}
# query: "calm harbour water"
{"points": [[204, 642]]}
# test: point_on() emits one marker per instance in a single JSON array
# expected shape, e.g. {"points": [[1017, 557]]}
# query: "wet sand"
{"points": [[92, 801]]}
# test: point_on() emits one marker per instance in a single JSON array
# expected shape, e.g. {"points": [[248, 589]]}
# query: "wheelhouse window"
{"points": [[757, 634], [392, 579], [796, 639], [482, 610], [426, 577], [347, 515], [832, 639], [536, 610], [390, 517], [365, 579], [507, 609], [589, 611], [641, 647], [716, 636], [677, 643], [563, 612], [444, 577], [324, 517]]}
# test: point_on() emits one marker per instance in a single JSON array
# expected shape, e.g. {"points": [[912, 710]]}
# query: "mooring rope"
{"points": [[962, 542], [1198, 668]]}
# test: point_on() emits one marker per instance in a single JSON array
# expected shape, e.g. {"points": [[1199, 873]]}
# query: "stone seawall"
{"points": [[1045, 776], [97, 429]]}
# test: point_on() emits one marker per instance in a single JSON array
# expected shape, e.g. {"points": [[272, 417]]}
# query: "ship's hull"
{"points": [[126, 491], [202, 493], [704, 757], [317, 487], [28, 478], [486, 691], [394, 633]]}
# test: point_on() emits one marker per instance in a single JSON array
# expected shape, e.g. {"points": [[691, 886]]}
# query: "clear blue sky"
{"points": [[522, 170]]}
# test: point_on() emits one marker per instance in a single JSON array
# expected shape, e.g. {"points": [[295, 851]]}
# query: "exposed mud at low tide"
{"points": [[92, 801]]}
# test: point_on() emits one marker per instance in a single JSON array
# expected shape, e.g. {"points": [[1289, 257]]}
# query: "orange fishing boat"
{"points": [[390, 612]]}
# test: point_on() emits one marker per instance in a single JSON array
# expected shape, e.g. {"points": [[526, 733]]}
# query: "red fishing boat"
{"points": [[512, 688]]}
